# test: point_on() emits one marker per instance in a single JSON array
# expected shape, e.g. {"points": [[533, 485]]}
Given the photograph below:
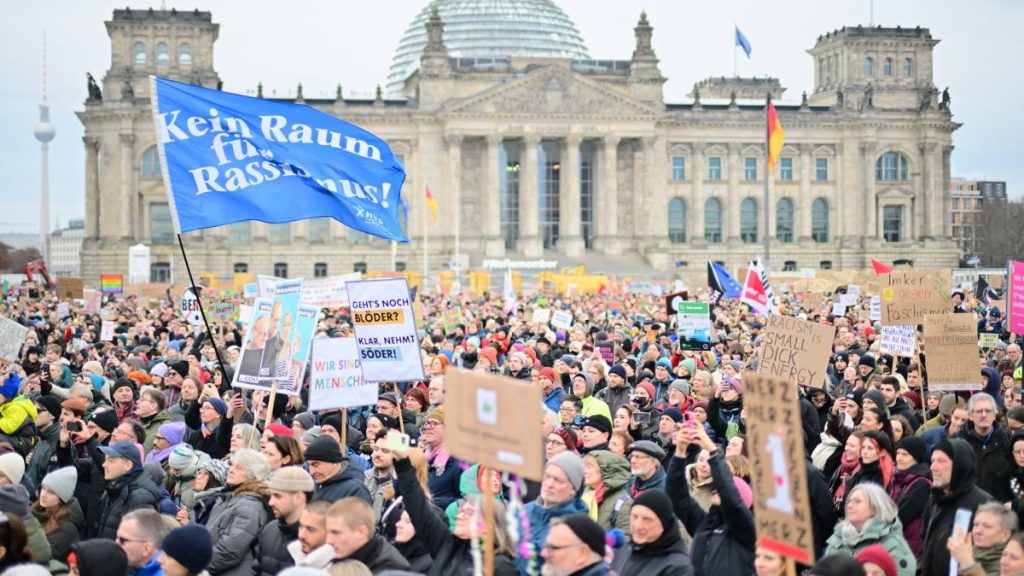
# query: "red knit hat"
{"points": [[280, 429], [879, 556], [648, 387]]}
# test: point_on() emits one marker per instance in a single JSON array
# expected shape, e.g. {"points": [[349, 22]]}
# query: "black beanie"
{"points": [[99, 556], [51, 404], [324, 449], [883, 441], [659, 503], [837, 565], [106, 420], [916, 447], [122, 383], [191, 546], [181, 367], [588, 531]]}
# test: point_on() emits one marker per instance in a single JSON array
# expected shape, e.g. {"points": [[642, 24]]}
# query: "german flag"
{"points": [[776, 136], [432, 205]]}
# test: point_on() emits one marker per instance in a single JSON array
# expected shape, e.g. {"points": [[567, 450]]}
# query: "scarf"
{"points": [[846, 468], [438, 458], [850, 535]]}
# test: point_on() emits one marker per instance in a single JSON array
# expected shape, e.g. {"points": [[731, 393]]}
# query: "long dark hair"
{"points": [[54, 517], [14, 541], [289, 448]]}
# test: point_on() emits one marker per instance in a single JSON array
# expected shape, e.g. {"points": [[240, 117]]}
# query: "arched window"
{"points": [[869, 67], [713, 221], [891, 167], [150, 163], [163, 54], [784, 220], [676, 221], [819, 220], [139, 53], [908, 68], [748, 220], [185, 54], [887, 67]]}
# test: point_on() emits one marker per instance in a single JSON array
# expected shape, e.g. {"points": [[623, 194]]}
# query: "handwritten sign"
{"points": [[781, 503], [107, 330], [328, 292], [907, 295], [838, 309], [988, 340], [70, 288], [876, 309], [796, 350], [336, 380], [541, 316], [951, 343], [561, 319], [848, 300], [898, 340], [812, 300], [12, 336]]}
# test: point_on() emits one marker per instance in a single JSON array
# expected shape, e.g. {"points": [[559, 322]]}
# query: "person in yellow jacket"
{"points": [[17, 416]]}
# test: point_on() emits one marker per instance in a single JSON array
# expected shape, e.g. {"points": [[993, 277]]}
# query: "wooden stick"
{"points": [[790, 567], [344, 430], [270, 405], [401, 419], [489, 525]]}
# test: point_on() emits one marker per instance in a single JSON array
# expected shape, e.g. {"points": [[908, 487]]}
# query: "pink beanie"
{"points": [[746, 494]]}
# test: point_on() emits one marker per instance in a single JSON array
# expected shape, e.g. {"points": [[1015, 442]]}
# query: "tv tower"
{"points": [[44, 132]]}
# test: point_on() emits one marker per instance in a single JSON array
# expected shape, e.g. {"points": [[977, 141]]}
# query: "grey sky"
{"points": [[321, 43]]}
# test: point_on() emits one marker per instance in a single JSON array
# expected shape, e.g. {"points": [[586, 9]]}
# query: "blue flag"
{"points": [[229, 158], [730, 288], [742, 42]]}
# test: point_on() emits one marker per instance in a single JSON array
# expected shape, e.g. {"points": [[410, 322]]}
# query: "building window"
{"points": [[281, 269], [713, 221], [160, 272], [789, 266], [587, 193], [786, 169], [320, 270], [750, 169], [748, 220], [161, 230], [400, 267], [163, 53], [715, 168], [320, 229], [241, 268], [956, 217], [151, 163], [821, 169], [825, 265], [139, 53], [357, 236], [891, 167], [678, 168], [892, 223], [908, 68], [887, 67], [508, 167], [784, 220], [280, 234], [549, 159], [359, 267], [869, 67], [240, 233], [676, 221], [819, 220]]}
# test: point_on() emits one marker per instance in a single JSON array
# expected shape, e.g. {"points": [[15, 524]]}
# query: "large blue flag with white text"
{"points": [[229, 158]]}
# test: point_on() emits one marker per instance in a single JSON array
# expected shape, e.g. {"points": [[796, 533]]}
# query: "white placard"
{"points": [[189, 307], [848, 300], [541, 316], [385, 330], [12, 336], [838, 309], [561, 319], [138, 264], [107, 330], [336, 379], [876, 309], [244, 313], [898, 340], [328, 292], [266, 285], [853, 289], [63, 310]]}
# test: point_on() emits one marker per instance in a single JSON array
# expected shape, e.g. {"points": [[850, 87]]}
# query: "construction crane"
{"points": [[39, 266]]}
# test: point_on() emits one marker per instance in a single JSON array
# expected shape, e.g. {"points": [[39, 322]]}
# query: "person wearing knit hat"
{"points": [[105, 421], [12, 468], [50, 404], [618, 370], [595, 433], [837, 565], [550, 386], [877, 561], [303, 421], [180, 368], [333, 477], [309, 435], [187, 551], [571, 466], [560, 491], [62, 482], [159, 370], [98, 557], [575, 545], [560, 440], [290, 488], [276, 429], [92, 367], [690, 365], [655, 541], [733, 368]]}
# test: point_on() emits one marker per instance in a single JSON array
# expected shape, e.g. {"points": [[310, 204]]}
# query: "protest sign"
{"points": [[222, 310], [107, 330], [561, 319], [251, 290], [796, 350], [253, 371], [838, 309], [12, 336], [111, 283], [70, 288], [988, 341], [336, 380], [848, 299], [494, 421], [266, 285], [693, 321], [1015, 296], [907, 295], [541, 316], [876, 309], [385, 330], [898, 340], [672, 301], [779, 477], [607, 352], [951, 341], [93, 301], [189, 307], [277, 342], [812, 300], [63, 310], [328, 292], [245, 313], [853, 289]]}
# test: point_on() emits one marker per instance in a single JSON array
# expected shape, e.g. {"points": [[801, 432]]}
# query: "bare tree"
{"points": [[999, 232]]}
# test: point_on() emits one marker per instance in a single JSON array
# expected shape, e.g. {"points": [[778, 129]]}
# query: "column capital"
{"points": [[127, 138], [806, 149], [611, 139], [927, 147], [531, 139], [867, 148], [453, 139], [648, 142], [494, 139], [91, 141], [573, 140]]}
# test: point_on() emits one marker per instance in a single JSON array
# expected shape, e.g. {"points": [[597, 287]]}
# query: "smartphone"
{"points": [[74, 427], [397, 441], [642, 417], [961, 524], [691, 419]]}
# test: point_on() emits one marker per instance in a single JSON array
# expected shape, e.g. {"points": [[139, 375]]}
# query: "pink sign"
{"points": [[1015, 297]]}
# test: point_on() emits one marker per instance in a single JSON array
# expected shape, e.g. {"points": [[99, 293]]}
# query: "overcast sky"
{"points": [[323, 42]]}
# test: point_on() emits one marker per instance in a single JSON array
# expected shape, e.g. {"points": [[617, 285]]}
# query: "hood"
{"points": [[691, 476], [64, 380], [469, 482], [963, 466], [348, 473], [589, 389], [614, 469], [993, 385]]}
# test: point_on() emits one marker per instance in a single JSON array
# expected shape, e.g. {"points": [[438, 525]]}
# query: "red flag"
{"points": [[754, 294], [881, 268]]}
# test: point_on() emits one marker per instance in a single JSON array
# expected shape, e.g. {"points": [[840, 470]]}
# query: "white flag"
{"points": [[510, 293]]}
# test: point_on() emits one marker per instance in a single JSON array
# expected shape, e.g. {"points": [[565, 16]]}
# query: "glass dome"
{"points": [[489, 29]]}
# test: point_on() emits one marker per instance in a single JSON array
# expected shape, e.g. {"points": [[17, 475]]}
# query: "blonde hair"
{"points": [[419, 463], [349, 568]]}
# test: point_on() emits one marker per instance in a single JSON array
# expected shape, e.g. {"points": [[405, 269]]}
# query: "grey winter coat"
{"points": [[235, 525], [272, 549]]}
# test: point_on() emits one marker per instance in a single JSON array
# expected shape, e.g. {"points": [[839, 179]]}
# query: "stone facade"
{"points": [[566, 157], [66, 250]]}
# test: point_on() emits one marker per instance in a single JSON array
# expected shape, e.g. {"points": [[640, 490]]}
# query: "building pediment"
{"points": [[552, 91]]}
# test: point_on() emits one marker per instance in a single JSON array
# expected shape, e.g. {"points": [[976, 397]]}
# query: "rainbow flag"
{"points": [[111, 283], [776, 136], [432, 205]]}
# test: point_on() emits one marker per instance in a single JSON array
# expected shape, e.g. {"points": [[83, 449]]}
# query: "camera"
{"points": [[74, 427], [641, 418]]}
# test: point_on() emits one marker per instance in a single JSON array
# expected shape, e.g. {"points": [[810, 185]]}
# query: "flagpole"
{"points": [[767, 181], [394, 254], [734, 29], [426, 228]]}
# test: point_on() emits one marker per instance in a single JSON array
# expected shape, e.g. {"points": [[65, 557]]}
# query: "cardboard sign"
{"points": [[848, 300], [93, 301], [796, 350], [70, 288], [561, 319], [907, 295], [107, 330], [812, 300], [781, 504], [876, 309], [541, 316], [693, 321], [1015, 297], [898, 340], [385, 330], [988, 341], [672, 301], [328, 292], [494, 421], [951, 344], [12, 336], [336, 380]]}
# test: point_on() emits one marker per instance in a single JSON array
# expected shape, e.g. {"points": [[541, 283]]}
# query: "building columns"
{"points": [[802, 219], [733, 200], [92, 187], [871, 230], [570, 240], [129, 196], [529, 199], [494, 244], [606, 200], [454, 143]]}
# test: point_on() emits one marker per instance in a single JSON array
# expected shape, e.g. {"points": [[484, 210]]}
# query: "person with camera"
{"points": [[646, 416], [210, 422]]}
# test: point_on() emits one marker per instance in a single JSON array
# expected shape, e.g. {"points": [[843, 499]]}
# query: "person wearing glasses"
{"points": [[575, 547], [140, 534], [990, 442]]}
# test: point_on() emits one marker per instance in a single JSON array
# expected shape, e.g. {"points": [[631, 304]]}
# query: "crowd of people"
{"points": [[135, 455]]}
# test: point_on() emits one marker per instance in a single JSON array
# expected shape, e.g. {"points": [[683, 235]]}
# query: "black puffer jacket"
{"points": [[133, 491], [272, 548], [991, 454], [350, 481]]}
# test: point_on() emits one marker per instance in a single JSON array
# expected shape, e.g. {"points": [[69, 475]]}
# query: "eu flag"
{"points": [[742, 42]]}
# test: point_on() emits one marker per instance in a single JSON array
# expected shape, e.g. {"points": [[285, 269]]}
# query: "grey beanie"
{"points": [[306, 419], [680, 384], [14, 499], [12, 465], [312, 434], [572, 465], [62, 482], [736, 365]]}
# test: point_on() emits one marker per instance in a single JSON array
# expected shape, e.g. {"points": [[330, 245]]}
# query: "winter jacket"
{"points": [[553, 399], [724, 417], [663, 557], [615, 397], [723, 536], [469, 485], [823, 510], [910, 490], [901, 408], [846, 540], [44, 459], [321, 557], [655, 482], [540, 523], [347, 482], [379, 556], [990, 454], [217, 443], [132, 491], [941, 510], [36, 540], [377, 485], [67, 533], [443, 471], [235, 525], [17, 413], [177, 410], [593, 406], [616, 503], [152, 425], [91, 484], [272, 548]]}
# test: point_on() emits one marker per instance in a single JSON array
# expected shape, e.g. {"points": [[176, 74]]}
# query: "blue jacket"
{"points": [[554, 399], [151, 568], [656, 482], [540, 524]]}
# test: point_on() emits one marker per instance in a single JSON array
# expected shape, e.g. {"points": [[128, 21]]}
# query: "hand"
{"points": [[702, 438], [961, 548], [683, 437], [237, 406], [182, 516]]}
